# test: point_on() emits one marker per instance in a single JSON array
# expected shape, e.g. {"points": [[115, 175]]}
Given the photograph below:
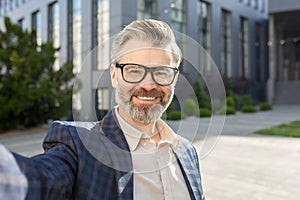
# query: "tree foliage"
{"points": [[32, 91]]}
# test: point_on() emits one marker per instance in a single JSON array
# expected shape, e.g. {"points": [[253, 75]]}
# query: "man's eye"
{"points": [[163, 73], [134, 71]]}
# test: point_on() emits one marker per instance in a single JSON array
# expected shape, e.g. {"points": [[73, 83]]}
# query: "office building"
{"points": [[233, 32]]}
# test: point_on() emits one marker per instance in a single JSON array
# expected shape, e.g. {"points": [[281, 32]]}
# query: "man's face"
{"points": [[144, 101]]}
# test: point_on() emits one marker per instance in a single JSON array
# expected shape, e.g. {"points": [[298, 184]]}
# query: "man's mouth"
{"points": [[146, 98]]}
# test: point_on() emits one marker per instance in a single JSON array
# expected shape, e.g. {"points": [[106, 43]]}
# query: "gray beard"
{"points": [[144, 114]]}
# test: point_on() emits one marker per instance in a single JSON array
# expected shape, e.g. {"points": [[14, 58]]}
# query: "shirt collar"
{"points": [[133, 135]]}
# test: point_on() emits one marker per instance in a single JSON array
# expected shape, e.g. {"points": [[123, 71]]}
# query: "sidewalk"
{"points": [[249, 166], [240, 166]]}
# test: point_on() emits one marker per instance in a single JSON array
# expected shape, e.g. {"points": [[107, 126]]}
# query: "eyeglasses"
{"points": [[135, 73]]}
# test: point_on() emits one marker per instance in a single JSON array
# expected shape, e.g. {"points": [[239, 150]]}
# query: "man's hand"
{"points": [[13, 183]]}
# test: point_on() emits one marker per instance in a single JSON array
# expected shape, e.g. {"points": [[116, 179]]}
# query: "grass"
{"points": [[290, 130]]}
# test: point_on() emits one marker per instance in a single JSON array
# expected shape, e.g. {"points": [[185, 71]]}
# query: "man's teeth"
{"points": [[146, 98]]}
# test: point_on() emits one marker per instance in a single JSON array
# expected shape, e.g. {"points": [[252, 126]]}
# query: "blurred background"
{"points": [[254, 43]]}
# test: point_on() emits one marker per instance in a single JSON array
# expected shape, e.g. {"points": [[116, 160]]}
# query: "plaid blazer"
{"points": [[85, 160]]}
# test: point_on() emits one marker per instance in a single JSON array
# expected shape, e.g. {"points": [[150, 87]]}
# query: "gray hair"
{"points": [[157, 33]]}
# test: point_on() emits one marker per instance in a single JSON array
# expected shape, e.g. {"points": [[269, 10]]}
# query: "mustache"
{"points": [[151, 93]]}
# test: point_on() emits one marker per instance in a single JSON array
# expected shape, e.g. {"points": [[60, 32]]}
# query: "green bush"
{"points": [[205, 112], [265, 106], [230, 101], [175, 115], [247, 101], [238, 102], [201, 95], [248, 109], [190, 108], [230, 110]]}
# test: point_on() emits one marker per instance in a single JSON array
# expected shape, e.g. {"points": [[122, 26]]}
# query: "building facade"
{"points": [[284, 54], [233, 33]]}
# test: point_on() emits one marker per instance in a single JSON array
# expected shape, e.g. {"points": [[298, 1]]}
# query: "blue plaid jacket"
{"points": [[92, 161]]}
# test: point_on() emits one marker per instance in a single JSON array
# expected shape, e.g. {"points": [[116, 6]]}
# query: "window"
{"points": [[204, 14], [53, 29], [263, 6], [178, 23], [178, 15], [204, 25], [74, 33], [146, 9], [102, 102], [244, 48], [11, 6], [103, 96], [249, 2], [21, 22], [100, 33], [36, 24], [17, 3], [258, 51], [1, 8], [255, 2], [226, 44]]}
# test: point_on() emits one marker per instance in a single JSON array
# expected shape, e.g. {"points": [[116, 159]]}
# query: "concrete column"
{"points": [[87, 112]]}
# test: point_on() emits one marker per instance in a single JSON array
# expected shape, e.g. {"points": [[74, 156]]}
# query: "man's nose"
{"points": [[148, 83]]}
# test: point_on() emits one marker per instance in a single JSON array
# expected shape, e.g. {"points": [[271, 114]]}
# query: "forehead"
{"points": [[144, 53]]}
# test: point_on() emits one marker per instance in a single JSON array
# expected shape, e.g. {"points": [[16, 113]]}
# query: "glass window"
{"points": [[53, 29], [249, 2], [244, 48], [1, 8], [226, 44], [103, 34], [103, 96], [100, 34], [22, 23], [7, 5], [255, 4], [36, 24], [204, 14], [178, 23], [17, 3], [178, 15], [204, 25], [74, 33], [258, 52], [146, 9], [263, 6]]}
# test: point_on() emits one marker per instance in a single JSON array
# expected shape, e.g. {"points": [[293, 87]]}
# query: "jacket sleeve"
{"points": [[51, 175]]}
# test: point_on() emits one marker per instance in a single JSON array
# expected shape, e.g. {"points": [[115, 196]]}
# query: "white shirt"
{"points": [[157, 174]]}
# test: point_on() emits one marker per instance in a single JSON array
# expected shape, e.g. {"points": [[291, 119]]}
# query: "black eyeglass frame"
{"points": [[147, 69]]}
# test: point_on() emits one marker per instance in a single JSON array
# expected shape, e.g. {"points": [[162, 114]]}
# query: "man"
{"points": [[131, 153]]}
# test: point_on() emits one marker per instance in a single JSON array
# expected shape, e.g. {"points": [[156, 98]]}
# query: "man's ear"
{"points": [[113, 75]]}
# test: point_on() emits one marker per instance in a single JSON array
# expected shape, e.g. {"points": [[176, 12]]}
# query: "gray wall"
{"points": [[279, 6]]}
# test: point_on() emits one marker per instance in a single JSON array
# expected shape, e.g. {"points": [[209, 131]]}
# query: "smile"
{"points": [[146, 98]]}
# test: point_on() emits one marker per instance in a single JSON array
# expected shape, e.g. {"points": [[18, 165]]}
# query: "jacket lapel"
{"points": [[188, 162], [120, 156]]}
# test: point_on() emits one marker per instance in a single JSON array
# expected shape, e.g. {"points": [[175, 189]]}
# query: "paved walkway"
{"points": [[236, 165]]}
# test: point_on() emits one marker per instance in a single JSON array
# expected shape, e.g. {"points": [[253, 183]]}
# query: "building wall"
{"points": [[276, 6]]}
